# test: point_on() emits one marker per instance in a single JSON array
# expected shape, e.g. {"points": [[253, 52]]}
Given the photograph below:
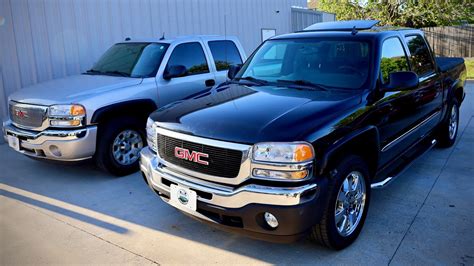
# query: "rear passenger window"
{"points": [[393, 58], [225, 54], [420, 55], [190, 55]]}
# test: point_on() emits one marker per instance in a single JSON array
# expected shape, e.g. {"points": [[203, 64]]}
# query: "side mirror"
{"points": [[403, 80], [174, 72], [233, 70]]}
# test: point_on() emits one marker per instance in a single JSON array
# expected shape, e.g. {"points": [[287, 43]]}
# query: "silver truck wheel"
{"points": [[453, 122], [350, 203], [448, 129], [127, 146]]}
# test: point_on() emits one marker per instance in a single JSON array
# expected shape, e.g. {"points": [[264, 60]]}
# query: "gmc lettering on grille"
{"points": [[193, 156]]}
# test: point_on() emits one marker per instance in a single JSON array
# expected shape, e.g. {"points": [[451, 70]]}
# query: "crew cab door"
{"points": [[198, 76], [429, 95], [225, 53], [395, 111]]}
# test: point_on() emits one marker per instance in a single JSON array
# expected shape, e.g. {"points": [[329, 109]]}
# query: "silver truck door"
{"points": [[224, 53], [198, 77]]}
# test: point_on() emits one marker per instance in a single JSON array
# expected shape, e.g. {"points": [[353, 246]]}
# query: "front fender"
{"points": [[364, 141]]}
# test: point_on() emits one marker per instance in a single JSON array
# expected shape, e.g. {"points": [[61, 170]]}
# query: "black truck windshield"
{"points": [[319, 62], [130, 60]]}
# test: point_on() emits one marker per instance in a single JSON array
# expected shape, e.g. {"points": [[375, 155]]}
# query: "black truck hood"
{"points": [[244, 114]]}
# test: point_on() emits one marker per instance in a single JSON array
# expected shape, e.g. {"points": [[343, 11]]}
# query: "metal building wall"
{"points": [[302, 18], [46, 39]]}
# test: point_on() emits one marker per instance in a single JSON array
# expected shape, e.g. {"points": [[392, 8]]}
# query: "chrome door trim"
{"points": [[422, 79], [410, 131]]}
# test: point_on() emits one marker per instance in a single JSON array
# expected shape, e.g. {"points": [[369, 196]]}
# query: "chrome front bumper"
{"points": [[158, 175], [61, 145]]}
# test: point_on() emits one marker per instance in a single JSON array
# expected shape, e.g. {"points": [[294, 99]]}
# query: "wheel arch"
{"points": [[456, 90], [363, 142], [140, 108]]}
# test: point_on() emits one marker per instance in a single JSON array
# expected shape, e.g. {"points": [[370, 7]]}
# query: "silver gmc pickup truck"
{"points": [[102, 113]]}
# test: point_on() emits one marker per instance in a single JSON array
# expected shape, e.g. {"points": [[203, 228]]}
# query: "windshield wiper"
{"points": [[119, 73], [254, 80], [305, 83], [92, 71]]}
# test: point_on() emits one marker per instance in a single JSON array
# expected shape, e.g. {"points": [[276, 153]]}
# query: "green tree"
{"points": [[409, 13]]}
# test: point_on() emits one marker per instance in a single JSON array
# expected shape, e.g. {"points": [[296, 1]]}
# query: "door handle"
{"points": [[210, 83]]}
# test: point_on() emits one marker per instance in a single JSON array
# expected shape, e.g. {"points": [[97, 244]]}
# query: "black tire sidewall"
{"points": [[347, 165], [445, 140], [107, 134]]}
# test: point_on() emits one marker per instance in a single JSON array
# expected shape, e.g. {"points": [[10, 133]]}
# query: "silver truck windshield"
{"points": [[321, 62], [136, 60]]}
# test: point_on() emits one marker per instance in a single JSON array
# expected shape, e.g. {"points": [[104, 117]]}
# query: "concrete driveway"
{"points": [[60, 214]]}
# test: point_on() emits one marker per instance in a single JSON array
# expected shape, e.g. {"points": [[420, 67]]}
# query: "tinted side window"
{"points": [[191, 56], [420, 55], [393, 58], [225, 54]]}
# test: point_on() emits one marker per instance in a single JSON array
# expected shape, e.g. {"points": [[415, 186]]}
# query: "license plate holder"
{"points": [[13, 142], [183, 198]]}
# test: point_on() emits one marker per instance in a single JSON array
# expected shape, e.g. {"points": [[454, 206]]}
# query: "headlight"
{"points": [[286, 155], [67, 115], [151, 134], [283, 152], [67, 110]]}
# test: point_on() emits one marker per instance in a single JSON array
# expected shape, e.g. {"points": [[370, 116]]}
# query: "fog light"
{"points": [[55, 150], [271, 220]]}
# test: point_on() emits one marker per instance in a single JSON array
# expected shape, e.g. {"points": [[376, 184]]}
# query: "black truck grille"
{"points": [[222, 162]]}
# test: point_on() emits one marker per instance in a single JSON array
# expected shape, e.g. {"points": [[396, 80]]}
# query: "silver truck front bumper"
{"points": [[159, 176], [61, 145]]}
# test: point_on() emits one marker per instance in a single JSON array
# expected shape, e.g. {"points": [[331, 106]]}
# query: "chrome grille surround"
{"points": [[245, 164], [35, 117]]}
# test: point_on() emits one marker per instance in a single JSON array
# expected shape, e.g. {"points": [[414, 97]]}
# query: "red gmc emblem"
{"points": [[21, 114], [194, 156]]}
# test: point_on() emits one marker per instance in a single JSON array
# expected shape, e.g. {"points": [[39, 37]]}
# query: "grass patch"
{"points": [[470, 67]]}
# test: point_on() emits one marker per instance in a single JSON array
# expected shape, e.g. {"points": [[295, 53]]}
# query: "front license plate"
{"points": [[14, 142], [183, 198]]}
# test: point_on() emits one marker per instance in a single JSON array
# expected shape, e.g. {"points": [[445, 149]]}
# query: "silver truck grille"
{"points": [[27, 115]]}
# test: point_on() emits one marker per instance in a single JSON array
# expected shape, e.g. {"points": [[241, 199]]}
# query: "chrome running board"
{"points": [[389, 179]]}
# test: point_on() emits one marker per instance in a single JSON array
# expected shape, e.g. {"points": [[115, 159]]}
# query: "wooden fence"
{"points": [[455, 41]]}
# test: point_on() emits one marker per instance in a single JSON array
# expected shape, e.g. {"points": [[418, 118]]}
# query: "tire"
{"points": [[327, 232], [125, 137], [449, 128]]}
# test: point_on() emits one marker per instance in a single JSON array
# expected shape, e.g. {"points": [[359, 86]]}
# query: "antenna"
{"points": [[354, 31], [162, 36], [225, 26], [127, 39]]}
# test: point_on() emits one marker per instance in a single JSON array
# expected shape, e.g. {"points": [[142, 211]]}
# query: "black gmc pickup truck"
{"points": [[296, 139]]}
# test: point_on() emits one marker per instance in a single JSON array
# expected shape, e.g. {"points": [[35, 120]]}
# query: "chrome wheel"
{"points": [[127, 146], [453, 122], [350, 203]]}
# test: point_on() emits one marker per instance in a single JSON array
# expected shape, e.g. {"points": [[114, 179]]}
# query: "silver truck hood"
{"points": [[71, 89]]}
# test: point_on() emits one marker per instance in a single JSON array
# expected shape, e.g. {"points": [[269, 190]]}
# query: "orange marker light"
{"points": [[77, 110], [303, 153]]}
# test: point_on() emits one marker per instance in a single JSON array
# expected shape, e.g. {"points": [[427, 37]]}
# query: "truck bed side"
{"points": [[448, 63]]}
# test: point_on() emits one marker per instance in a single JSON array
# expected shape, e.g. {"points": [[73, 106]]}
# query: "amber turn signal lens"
{"points": [[77, 110], [303, 153]]}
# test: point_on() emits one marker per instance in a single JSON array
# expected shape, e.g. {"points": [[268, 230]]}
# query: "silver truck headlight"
{"points": [[66, 115], [151, 134], [285, 155]]}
